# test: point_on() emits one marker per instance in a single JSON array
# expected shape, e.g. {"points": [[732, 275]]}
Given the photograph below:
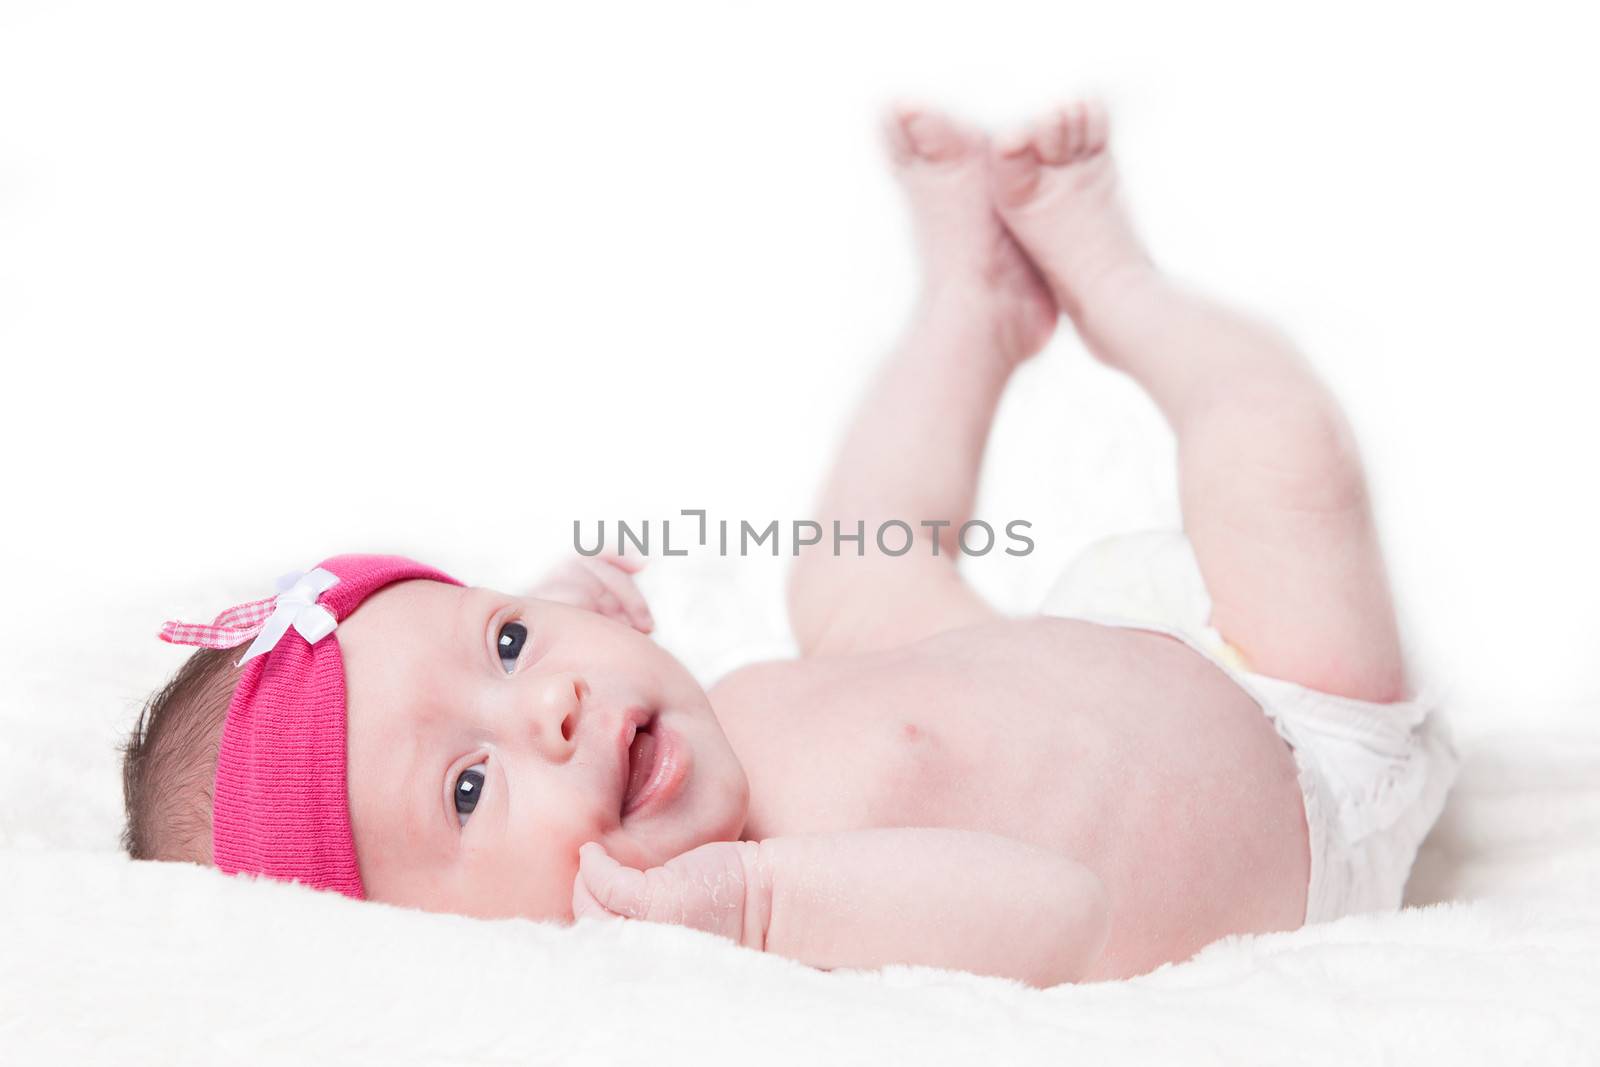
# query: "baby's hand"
{"points": [[712, 888], [602, 584]]}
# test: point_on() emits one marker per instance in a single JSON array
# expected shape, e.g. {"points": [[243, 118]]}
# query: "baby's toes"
{"points": [[895, 137], [1051, 139], [1014, 167], [1064, 136], [919, 133], [1096, 126]]}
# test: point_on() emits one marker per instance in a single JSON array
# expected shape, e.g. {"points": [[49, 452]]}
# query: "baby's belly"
{"points": [[1122, 749]]}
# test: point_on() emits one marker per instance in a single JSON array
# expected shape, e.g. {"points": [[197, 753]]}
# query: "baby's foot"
{"points": [[971, 265], [1056, 188]]}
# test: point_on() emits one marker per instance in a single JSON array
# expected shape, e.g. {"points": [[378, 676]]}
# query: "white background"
{"points": [[279, 281]]}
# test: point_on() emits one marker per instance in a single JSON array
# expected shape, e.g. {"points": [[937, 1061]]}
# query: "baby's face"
{"points": [[487, 742]]}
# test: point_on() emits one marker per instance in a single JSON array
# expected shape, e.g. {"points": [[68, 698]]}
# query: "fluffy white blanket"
{"points": [[112, 961]]}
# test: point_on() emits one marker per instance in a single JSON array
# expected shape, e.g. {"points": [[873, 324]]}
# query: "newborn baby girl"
{"points": [[1200, 734]]}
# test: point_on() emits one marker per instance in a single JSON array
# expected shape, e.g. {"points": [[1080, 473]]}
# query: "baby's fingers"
{"points": [[631, 564], [635, 612], [617, 889], [584, 905]]}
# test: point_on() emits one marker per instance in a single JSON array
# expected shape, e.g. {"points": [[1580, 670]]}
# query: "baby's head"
{"points": [[171, 758], [445, 747]]}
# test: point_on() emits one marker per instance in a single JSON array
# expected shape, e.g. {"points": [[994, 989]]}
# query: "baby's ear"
{"points": [[602, 584]]}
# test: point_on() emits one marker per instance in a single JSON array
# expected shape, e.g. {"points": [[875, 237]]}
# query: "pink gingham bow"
{"points": [[266, 620]]}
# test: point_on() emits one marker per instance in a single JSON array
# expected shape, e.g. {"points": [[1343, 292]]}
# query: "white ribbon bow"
{"points": [[296, 605]]}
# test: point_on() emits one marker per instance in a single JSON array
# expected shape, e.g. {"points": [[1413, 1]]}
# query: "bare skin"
{"points": [[933, 782]]}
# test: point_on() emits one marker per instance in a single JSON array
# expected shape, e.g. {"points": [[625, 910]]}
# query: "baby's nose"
{"points": [[557, 704]]}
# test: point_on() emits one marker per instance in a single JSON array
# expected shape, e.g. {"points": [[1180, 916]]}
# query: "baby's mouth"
{"points": [[654, 761], [635, 721], [642, 753]]}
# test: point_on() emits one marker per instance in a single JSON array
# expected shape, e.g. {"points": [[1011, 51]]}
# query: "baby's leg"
{"points": [[913, 451], [1273, 495]]}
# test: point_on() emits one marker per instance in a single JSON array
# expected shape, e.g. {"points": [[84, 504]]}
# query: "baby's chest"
{"points": [[924, 746], [1064, 754]]}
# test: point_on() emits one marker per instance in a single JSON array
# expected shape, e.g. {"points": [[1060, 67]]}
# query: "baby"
{"points": [[1202, 734]]}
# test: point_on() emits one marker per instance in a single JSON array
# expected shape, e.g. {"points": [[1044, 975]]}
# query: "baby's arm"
{"points": [[867, 898]]}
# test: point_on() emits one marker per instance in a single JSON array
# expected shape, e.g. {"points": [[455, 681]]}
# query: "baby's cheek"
{"points": [[533, 881]]}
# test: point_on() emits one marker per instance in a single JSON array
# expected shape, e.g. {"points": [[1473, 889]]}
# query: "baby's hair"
{"points": [[170, 759]]}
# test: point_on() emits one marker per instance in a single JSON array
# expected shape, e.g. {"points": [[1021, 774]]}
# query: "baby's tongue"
{"points": [[641, 761]]}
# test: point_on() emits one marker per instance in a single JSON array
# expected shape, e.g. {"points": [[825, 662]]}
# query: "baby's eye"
{"points": [[513, 635], [469, 786]]}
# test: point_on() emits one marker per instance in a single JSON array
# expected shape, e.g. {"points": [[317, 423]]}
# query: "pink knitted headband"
{"points": [[280, 807]]}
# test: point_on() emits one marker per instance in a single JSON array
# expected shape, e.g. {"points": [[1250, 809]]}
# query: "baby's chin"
{"points": [[732, 784], [713, 803]]}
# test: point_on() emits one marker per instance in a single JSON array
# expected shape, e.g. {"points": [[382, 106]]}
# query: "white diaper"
{"points": [[1373, 776]]}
